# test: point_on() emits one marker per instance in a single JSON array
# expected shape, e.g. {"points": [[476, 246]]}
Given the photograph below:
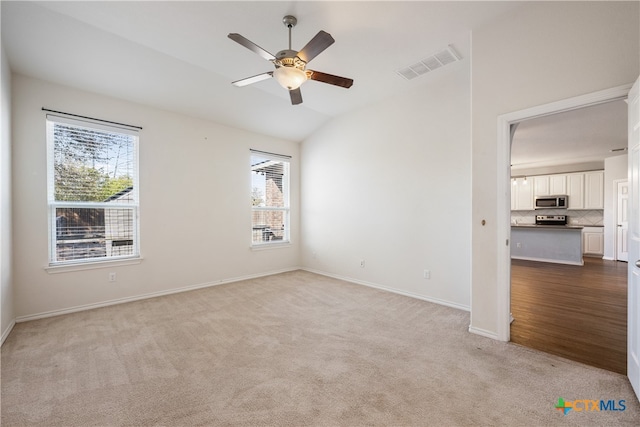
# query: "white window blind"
{"points": [[269, 198], [92, 191]]}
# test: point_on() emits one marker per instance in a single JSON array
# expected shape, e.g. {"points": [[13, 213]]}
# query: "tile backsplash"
{"points": [[586, 217]]}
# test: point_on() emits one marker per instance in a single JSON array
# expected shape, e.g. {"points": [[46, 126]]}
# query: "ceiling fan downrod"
{"points": [[289, 21]]}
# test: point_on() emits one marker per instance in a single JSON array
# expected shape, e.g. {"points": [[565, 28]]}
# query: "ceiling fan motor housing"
{"points": [[289, 58]]}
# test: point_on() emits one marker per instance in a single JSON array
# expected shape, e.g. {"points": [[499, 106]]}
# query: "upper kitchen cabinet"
{"points": [[557, 185], [541, 185], [594, 190], [521, 194], [575, 190], [549, 185], [586, 190]]}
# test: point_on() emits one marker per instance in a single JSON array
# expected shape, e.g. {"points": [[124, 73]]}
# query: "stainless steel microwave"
{"points": [[551, 202]]}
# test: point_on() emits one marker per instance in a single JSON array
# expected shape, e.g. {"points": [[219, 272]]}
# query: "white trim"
{"points": [[91, 306], [388, 289], [503, 274], [278, 244], [614, 217], [7, 331], [91, 265], [484, 333]]}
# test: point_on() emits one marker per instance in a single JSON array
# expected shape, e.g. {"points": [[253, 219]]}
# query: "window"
{"points": [[269, 198], [92, 191]]}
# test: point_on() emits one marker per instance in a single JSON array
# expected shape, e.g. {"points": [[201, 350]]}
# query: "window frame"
{"points": [[52, 204], [286, 209]]}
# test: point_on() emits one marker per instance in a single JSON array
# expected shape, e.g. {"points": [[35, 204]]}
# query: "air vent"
{"points": [[430, 63]]}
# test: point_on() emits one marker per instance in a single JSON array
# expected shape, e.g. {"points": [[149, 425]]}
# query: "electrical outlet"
{"points": [[362, 263], [427, 274], [112, 277], [518, 245]]}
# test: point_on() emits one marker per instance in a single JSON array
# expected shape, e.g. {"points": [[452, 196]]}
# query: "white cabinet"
{"points": [[575, 190], [586, 190], [593, 241], [594, 190], [557, 184], [549, 185], [521, 194], [541, 185]]}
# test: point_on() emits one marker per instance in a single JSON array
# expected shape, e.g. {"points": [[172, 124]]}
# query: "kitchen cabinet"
{"points": [[541, 185], [586, 190], [593, 241], [555, 244], [521, 194], [594, 190], [557, 185], [549, 185], [575, 190]]}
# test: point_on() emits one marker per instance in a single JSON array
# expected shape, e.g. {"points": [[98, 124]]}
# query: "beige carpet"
{"points": [[291, 349]]}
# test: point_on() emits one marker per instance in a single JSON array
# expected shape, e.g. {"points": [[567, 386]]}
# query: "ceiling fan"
{"points": [[290, 65]]}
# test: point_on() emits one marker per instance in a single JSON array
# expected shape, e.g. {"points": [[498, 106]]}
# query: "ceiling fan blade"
{"points": [[316, 45], [251, 46], [254, 79], [296, 96], [331, 79]]}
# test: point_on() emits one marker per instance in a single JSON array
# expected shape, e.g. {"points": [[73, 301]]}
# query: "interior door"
{"points": [[622, 248], [633, 320]]}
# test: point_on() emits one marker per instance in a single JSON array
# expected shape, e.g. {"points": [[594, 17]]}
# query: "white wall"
{"points": [[615, 168], [194, 203], [390, 185], [7, 315], [536, 54]]}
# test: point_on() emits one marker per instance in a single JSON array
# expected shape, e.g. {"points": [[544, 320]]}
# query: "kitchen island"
{"points": [[561, 244]]}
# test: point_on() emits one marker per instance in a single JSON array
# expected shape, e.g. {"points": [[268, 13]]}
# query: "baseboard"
{"points": [[484, 333], [7, 331], [388, 289], [92, 306]]}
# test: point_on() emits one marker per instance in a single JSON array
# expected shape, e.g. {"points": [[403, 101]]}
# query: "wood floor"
{"points": [[577, 312]]}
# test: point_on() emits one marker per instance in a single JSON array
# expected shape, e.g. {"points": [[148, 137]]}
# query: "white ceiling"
{"points": [[584, 135], [176, 56]]}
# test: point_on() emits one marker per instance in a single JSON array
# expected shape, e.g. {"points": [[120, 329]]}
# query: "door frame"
{"points": [[614, 221], [505, 122]]}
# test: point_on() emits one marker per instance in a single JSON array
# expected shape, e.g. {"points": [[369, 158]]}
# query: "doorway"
{"points": [[574, 311], [505, 125]]}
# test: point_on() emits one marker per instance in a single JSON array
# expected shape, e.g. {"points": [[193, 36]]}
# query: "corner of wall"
{"points": [[7, 310]]}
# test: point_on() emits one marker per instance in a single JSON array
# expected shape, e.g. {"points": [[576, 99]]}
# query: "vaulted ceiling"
{"points": [[176, 56]]}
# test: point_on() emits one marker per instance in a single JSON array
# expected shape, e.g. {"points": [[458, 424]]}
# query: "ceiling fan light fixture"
{"points": [[290, 78]]}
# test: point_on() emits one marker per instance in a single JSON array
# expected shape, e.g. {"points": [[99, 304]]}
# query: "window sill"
{"points": [[65, 268], [266, 246]]}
